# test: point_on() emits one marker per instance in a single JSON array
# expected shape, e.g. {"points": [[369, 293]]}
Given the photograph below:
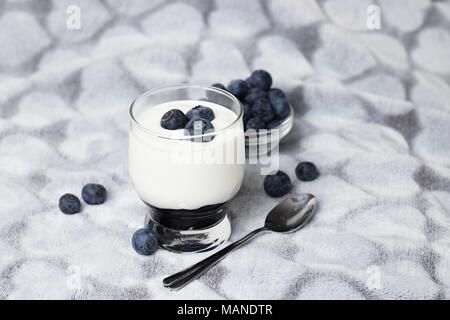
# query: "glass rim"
{"points": [[182, 86]]}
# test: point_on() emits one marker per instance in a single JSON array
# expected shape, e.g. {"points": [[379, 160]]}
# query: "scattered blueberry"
{"points": [[306, 171], [278, 184], [263, 110], [281, 108], [69, 204], [276, 94], [93, 193], [144, 242], [197, 127], [255, 94], [173, 119], [255, 123], [220, 86], [260, 79], [200, 112], [273, 124], [238, 88]]}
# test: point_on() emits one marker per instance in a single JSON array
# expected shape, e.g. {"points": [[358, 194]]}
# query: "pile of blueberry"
{"points": [[264, 107], [279, 184], [92, 193], [196, 121]]}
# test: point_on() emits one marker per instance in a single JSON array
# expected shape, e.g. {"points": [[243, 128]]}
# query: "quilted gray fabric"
{"points": [[372, 111]]}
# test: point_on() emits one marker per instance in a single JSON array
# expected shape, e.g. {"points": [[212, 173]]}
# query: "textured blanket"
{"points": [[371, 111]]}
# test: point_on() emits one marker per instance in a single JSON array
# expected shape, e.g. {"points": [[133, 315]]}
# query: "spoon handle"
{"points": [[182, 278]]}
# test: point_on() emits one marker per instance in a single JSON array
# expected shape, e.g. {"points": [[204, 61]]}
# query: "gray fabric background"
{"points": [[372, 111]]}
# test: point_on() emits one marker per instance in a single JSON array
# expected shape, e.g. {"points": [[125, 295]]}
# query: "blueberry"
{"points": [[238, 88], [281, 108], [263, 110], [69, 204], [260, 79], [255, 94], [200, 112], [93, 193], [197, 127], [219, 85], [255, 123], [306, 171], [247, 111], [278, 184], [144, 242], [173, 119], [276, 94], [274, 124]]}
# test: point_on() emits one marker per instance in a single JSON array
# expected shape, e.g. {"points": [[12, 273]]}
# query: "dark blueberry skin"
{"points": [[255, 94], [260, 79], [144, 242], [247, 111], [238, 88], [248, 83], [273, 124], [198, 127], [255, 123], [69, 204], [278, 184], [174, 119], [281, 108], [93, 193], [200, 112], [220, 86], [276, 94], [263, 110], [306, 171]]}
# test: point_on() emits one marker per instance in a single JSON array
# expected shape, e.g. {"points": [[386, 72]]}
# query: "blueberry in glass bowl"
{"points": [[268, 115]]}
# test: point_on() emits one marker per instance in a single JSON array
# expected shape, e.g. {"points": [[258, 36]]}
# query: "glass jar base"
{"points": [[192, 240]]}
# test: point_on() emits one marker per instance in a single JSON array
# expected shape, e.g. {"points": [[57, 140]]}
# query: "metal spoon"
{"points": [[288, 216]]}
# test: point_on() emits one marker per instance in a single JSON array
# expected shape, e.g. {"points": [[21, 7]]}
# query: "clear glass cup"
{"points": [[187, 180]]}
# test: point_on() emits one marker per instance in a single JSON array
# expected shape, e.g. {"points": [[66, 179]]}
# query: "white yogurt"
{"points": [[169, 171]]}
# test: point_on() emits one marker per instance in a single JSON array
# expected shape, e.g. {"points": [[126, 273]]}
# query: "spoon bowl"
{"points": [[291, 214]]}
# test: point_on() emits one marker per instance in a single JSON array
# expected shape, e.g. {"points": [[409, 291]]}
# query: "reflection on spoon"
{"points": [[288, 216]]}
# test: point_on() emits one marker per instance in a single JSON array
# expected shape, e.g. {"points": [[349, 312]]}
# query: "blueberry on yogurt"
{"points": [[144, 242], [197, 127], [278, 184], [260, 79], [93, 193], [200, 112], [69, 204], [174, 119]]}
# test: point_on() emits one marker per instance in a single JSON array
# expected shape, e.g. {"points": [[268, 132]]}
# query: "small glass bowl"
{"points": [[261, 144]]}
